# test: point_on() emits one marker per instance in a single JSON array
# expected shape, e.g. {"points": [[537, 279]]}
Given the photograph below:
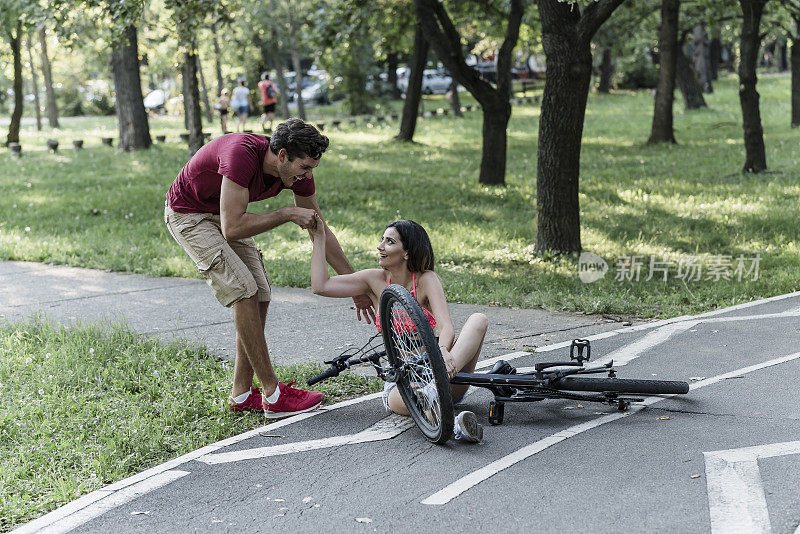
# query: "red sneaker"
{"points": [[250, 404], [292, 401]]}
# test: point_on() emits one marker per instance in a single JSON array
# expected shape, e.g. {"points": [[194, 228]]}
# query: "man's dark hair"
{"points": [[416, 242], [299, 138]]}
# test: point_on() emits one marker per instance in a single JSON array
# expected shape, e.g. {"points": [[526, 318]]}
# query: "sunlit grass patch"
{"points": [[100, 208]]}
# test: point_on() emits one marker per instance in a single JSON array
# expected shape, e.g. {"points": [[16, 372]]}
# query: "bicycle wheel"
{"points": [[413, 351], [621, 385]]}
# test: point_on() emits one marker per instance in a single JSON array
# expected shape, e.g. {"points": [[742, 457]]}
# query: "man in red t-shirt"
{"points": [[269, 97], [206, 213]]}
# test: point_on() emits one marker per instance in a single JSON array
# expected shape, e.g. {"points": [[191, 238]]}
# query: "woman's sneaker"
{"points": [[291, 401], [467, 428], [251, 404]]}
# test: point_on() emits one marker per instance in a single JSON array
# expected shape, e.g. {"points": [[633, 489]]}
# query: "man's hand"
{"points": [[364, 305], [303, 217]]}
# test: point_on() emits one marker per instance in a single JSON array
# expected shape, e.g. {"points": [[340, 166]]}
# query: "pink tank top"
{"points": [[405, 323]]}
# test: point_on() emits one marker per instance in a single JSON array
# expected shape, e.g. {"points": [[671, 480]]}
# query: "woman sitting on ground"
{"points": [[406, 258]]}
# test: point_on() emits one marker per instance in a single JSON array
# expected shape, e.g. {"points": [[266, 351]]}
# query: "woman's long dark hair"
{"points": [[416, 242]]}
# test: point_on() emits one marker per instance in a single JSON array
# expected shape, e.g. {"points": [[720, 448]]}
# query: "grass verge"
{"points": [[86, 406], [680, 204]]}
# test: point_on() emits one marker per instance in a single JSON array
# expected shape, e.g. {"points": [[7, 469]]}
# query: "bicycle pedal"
{"points": [[496, 412], [579, 345]]}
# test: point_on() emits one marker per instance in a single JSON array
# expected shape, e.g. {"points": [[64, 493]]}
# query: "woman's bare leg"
{"points": [[465, 352], [467, 349]]}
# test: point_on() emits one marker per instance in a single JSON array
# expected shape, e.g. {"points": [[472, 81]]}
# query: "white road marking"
{"points": [[682, 320], [471, 480], [86, 502], [100, 506], [736, 499], [387, 428], [637, 348]]}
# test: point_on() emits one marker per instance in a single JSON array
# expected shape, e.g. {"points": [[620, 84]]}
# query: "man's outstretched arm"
{"points": [[238, 224]]}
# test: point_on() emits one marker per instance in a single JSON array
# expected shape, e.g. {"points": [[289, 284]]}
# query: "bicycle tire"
{"points": [[412, 349], [621, 385]]}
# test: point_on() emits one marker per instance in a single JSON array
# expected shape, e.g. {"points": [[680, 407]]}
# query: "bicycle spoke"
{"points": [[416, 364]]}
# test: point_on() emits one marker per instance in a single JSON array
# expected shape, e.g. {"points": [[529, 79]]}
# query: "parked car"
{"points": [[154, 102], [317, 93], [433, 81]]}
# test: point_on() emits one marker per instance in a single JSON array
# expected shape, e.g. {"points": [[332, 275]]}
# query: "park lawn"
{"points": [[86, 406], [103, 209]]}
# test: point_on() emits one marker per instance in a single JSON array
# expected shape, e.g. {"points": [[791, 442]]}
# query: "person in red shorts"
{"points": [[269, 98], [206, 213]]}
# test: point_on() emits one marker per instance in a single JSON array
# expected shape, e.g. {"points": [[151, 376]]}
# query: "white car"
{"points": [[433, 81]]}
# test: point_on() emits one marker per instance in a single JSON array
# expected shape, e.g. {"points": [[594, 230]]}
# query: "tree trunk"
{"points": [[662, 131], [702, 58], [566, 89], [354, 73], [446, 42], [16, 53], [795, 61], [203, 90], [606, 71], [715, 57], [690, 89], [783, 55], [35, 84], [217, 58], [408, 122], [755, 158], [191, 101], [455, 100], [52, 106], [277, 63], [391, 75], [493, 154], [298, 73], [134, 129]]}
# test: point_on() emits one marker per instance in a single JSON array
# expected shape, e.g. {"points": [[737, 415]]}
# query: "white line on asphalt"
{"points": [[65, 512], [101, 505], [387, 428], [663, 329], [87, 500], [632, 351], [471, 480], [736, 499]]}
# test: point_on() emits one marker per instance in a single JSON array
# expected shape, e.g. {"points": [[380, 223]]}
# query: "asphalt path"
{"points": [[724, 458]]}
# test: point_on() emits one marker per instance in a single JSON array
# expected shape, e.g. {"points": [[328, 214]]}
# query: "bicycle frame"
{"points": [[550, 380]]}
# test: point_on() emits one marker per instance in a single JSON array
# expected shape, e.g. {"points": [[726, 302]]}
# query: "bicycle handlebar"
{"points": [[330, 372]]}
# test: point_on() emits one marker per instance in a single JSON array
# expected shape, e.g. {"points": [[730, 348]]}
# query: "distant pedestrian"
{"points": [[269, 97], [241, 104], [222, 105]]}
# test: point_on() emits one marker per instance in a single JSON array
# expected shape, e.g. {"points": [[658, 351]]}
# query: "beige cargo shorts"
{"points": [[233, 269]]}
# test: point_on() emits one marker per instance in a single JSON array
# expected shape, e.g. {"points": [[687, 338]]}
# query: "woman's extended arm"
{"points": [[344, 285]]}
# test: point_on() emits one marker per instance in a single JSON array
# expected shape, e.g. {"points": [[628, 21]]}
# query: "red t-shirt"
{"points": [[240, 157], [265, 98]]}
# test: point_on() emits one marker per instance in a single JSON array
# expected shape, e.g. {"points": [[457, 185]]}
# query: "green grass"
{"points": [[86, 406], [666, 202]]}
